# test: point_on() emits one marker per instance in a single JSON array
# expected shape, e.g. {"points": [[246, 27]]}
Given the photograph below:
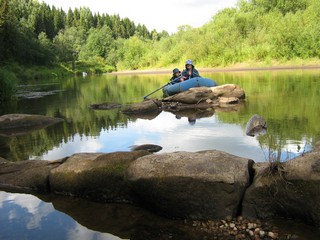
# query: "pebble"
{"points": [[262, 233], [240, 228]]}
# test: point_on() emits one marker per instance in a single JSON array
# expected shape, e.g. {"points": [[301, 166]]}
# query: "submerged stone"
{"points": [[146, 147]]}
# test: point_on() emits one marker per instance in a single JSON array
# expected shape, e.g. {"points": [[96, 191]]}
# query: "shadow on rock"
{"points": [[123, 220]]}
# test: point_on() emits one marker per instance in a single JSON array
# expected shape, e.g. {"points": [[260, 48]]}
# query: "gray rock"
{"points": [[256, 125], [286, 190], [146, 147], [96, 176], [105, 106], [228, 91], [201, 185], [147, 106], [19, 124], [26, 176], [192, 96], [223, 96]]}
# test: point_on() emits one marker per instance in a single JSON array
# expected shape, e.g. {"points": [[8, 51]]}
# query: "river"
{"points": [[287, 99]]}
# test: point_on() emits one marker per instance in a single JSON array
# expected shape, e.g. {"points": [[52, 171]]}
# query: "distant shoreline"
{"points": [[221, 69]]}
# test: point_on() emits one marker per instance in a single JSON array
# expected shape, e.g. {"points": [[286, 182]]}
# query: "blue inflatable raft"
{"points": [[172, 89]]}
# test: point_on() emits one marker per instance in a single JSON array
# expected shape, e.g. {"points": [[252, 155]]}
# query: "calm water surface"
{"points": [[288, 100]]}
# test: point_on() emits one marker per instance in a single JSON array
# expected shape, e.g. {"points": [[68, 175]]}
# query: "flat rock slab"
{"points": [[147, 106], [18, 124], [96, 176], [201, 185], [228, 91], [105, 106], [26, 176]]}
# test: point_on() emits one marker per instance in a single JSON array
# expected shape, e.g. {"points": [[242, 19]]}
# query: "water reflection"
{"points": [[287, 100], [208, 133], [24, 216], [27, 217]]}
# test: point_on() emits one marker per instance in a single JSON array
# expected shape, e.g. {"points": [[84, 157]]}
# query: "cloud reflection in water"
{"points": [[24, 216]]}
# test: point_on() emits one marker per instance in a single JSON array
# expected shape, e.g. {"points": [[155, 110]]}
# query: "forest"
{"points": [[39, 40]]}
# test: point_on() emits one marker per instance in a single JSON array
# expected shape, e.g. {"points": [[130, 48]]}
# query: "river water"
{"points": [[287, 99]]}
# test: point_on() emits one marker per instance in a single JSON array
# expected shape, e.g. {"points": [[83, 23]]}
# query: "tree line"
{"points": [[267, 31], [35, 33]]}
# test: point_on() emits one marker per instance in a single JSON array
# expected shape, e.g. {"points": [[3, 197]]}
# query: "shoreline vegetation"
{"points": [[41, 41], [234, 68], [12, 75]]}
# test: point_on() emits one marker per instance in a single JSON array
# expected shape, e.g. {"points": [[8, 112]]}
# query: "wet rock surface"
{"points": [[174, 184], [147, 147], [289, 190], [26, 176], [256, 125], [97, 176], [37, 94], [105, 106], [206, 98], [132, 222], [204, 186]]}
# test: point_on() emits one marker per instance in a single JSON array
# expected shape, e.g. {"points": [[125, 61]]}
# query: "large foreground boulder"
{"points": [[96, 176], [286, 190], [201, 185]]}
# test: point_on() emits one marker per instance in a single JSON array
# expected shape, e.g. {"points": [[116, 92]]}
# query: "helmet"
{"points": [[175, 70], [189, 62]]}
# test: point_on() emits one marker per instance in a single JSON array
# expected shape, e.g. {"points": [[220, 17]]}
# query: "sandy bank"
{"points": [[221, 69]]}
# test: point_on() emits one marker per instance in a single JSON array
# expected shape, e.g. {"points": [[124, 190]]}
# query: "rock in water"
{"points": [[105, 106], [146, 147], [20, 124], [256, 125]]}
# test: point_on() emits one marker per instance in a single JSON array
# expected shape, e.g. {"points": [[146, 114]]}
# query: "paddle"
{"points": [[145, 97]]}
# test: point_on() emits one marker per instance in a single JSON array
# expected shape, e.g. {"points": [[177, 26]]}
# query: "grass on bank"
{"points": [[8, 82]]}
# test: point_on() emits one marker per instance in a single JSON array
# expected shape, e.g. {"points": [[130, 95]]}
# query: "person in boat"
{"points": [[176, 75], [189, 71]]}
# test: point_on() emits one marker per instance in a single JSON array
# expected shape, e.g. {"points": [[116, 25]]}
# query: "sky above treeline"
{"points": [[161, 15]]}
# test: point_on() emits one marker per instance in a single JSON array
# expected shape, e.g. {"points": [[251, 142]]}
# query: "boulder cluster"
{"points": [[189, 185], [220, 98]]}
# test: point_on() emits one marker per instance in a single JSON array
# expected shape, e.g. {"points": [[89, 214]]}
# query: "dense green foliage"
{"points": [[8, 85], [264, 31], [255, 32], [32, 33]]}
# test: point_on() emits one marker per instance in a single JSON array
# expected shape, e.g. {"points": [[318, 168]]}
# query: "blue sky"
{"points": [[160, 15]]}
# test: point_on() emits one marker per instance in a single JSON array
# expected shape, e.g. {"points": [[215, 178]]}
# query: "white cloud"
{"points": [[75, 145], [37, 209], [160, 15], [40, 210], [82, 233], [206, 134]]}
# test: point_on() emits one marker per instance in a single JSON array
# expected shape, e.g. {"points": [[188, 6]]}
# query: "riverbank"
{"points": [[233, 68], [241, 200]]}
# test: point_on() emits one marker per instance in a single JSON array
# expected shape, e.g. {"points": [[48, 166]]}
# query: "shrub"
{"points": [[8, 83]]}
